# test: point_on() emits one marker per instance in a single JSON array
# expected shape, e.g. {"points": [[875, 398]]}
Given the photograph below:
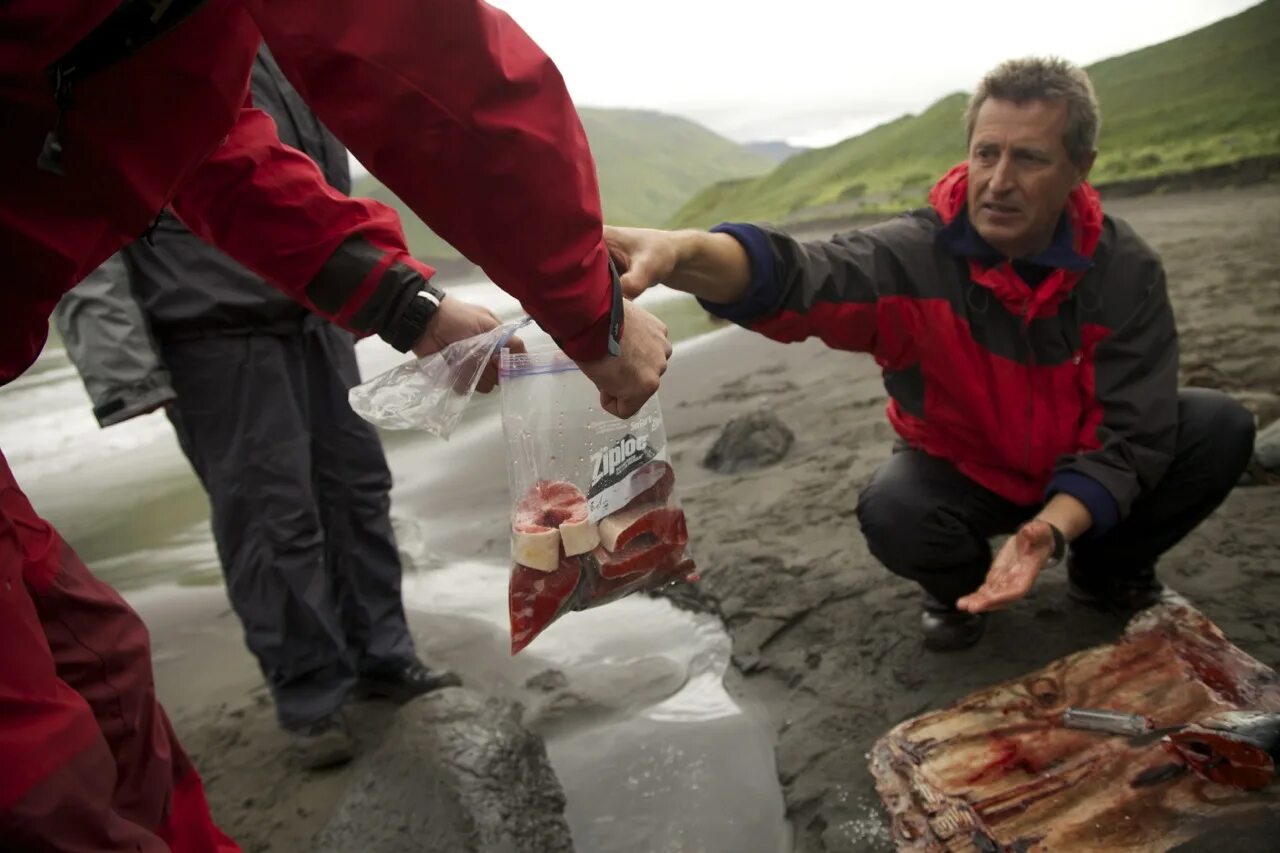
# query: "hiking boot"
{"points": [[947, 629], [1121, 594], [326, 742], [406, 682]]}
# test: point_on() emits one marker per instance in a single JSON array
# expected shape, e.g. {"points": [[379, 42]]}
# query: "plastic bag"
{"points": [[594, 512], [430, 393]]}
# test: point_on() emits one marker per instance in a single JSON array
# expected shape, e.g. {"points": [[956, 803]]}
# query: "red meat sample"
{"points": [[657, 480], [536, 531], [535, 598], [598, 589], [643, 554], [662, 521]]}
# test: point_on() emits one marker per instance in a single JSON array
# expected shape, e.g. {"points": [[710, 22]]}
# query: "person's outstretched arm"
{"points": [[459, 113], [766, 281]]}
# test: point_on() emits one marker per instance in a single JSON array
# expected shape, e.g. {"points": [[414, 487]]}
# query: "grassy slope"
{"points": [[648, 164], [891, 162], [1208, 97]]}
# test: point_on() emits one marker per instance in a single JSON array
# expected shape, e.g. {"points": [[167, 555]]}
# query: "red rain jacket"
{"points": [[1070, 385], [447, 101]]}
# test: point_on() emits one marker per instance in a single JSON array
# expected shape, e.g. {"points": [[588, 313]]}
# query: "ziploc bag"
{"points": [[430, 393], [594, 510]]}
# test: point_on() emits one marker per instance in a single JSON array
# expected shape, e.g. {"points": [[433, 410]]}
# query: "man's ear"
{"points": [[1083, 168]]}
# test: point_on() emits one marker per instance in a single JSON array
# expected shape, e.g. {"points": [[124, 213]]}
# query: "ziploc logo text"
{"points": [[617, 456]]}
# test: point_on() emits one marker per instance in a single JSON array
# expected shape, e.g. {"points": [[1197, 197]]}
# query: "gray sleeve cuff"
{"points": [[136, 399]]}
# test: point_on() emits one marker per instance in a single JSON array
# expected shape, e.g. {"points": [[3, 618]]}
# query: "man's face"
{"points": [[1020, 174]]}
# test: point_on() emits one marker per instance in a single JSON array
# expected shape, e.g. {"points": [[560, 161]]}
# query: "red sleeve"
{"points": [[269, 207], [456, 110]]}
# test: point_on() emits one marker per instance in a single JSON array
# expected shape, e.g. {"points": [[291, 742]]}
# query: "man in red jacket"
{"points": [[115, 109], [1029, 352]]}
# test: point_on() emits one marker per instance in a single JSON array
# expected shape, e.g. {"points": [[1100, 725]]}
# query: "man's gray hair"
{"points": [[1044, 79]]}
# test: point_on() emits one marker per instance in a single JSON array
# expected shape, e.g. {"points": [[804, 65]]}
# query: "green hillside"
{"points": [[882, 167], [648, 164], [1202, 99]]}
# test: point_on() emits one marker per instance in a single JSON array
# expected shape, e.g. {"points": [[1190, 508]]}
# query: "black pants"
{"points": [[928, 522], [300, 496]]}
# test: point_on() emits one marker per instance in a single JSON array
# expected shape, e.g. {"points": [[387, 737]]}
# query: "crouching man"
{"points": [[1029, 352]]}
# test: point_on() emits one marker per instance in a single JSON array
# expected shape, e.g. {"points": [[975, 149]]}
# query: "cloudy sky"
{"points": [[816, 71]]}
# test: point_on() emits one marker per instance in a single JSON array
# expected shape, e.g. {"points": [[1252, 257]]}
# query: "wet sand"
{"points": [[650, 750], [825, 645]]}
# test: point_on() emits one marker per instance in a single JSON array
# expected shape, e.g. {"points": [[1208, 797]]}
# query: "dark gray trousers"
{"points": [[299, 491], [928, 522]]}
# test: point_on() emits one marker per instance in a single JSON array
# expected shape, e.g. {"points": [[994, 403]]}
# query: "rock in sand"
{"points": [[457, 773], [750, 441]]}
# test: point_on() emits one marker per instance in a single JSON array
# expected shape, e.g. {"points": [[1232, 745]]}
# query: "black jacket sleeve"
{"points": [[1134, 420], [829, 289]]}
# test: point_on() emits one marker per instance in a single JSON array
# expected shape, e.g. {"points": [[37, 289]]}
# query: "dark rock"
{"points": [[754, 440], [458, 773], [547, 681]]}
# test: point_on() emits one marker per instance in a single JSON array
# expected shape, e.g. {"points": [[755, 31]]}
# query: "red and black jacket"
{"points": [[1069, 385], [449, 102]]}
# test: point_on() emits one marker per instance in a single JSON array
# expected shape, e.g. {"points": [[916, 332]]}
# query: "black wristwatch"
{"points": [[1059, 546], [414, 317]]}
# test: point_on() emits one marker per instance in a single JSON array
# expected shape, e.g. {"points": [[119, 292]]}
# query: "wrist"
{"points": [[1067, 513], [688, 245], [410, 324], [1059, 542]]}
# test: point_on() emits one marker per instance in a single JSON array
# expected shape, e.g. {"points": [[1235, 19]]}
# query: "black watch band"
{"points": [[615, 311], [1059, 546], [414, 317]]}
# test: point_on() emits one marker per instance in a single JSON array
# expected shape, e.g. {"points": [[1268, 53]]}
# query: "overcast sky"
{"points": [[813, 72], [817, 71]]}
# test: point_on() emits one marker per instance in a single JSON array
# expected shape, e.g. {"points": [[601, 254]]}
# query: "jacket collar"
{"points": [[961, 238], [1079, 230]]}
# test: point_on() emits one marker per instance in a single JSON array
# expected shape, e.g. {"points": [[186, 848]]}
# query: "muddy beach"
{"points": [[740, 718]]}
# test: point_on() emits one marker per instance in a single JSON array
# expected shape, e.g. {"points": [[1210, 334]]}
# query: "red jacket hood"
{"points": [[950, 195]]}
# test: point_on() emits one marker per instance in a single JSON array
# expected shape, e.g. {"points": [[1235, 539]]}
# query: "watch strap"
{"points": [[615, 311], [1059, 545], [413, 318]]}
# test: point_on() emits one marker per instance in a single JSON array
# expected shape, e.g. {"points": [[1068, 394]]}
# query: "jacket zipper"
{"points": [[1031, 382]]}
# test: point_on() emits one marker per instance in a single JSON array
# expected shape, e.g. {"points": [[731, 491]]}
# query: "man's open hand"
{"points": [[1014, 569]]}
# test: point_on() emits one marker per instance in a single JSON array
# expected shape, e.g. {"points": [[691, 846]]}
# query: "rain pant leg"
{"points": [[90, 762], [243, 418], [926, 521], [354, 486]]}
